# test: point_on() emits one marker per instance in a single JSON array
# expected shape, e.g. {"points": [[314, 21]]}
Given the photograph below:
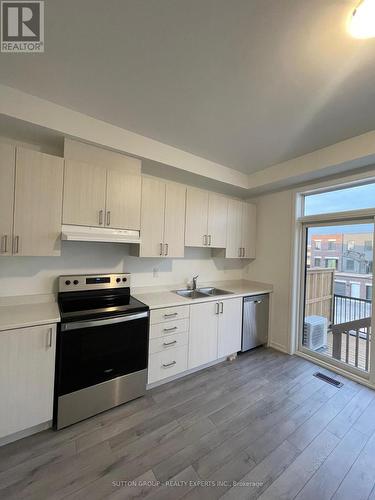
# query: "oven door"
{"points": [[91, 352]]}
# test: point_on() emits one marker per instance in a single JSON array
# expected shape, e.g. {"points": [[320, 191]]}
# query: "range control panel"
{"points": [[93, 282]]}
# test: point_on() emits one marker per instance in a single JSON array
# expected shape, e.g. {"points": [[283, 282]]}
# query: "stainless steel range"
{"points": [[102, 346]]}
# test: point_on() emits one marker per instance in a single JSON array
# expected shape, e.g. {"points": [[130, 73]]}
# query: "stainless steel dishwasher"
{"points": [[254, 321]]}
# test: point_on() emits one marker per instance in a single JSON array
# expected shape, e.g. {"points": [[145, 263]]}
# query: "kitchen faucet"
{"points": [[195, 281]]}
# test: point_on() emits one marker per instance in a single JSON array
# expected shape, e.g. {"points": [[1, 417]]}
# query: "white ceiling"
{"points": [[245, 83]]}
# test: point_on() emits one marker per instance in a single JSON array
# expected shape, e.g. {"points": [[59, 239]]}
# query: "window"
{"points": [[341, 200], [351, 245], [340, 288], [369, 292], [331, 244], [368, 246], [318, 244], [317, 262], [349, 264], [331, 263]]}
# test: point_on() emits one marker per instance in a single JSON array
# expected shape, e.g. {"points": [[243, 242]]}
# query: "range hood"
{"points": [[82, 233]]}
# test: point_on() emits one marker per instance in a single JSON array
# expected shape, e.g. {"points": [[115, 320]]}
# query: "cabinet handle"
{"points": [[169, 364], [108, 218], [49, 343], [4, 243], [16, 244], [100, 217], [161, 249], [217, 308], [170, 315], [166, 344], [243, 252], [240, 252], [170, 329], [221, 307], [166, 249], [209, 240], [205, 239]]}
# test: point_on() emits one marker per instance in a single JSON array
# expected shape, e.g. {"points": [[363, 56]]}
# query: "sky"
{"points": [[353, 198]]}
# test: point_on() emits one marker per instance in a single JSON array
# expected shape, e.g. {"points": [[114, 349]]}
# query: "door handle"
{"points": [[166, 344], [167, 365], [205, 239], [16, 244], [243, 252], [166, 249], [209, 240], [101, 217], [217, 308], [108, 218], [221, 307], [161, 248], [240, 252], [4, 243], [49, 342]]}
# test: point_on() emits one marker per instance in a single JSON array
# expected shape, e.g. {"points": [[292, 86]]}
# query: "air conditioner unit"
{"points": [[315, 332]]}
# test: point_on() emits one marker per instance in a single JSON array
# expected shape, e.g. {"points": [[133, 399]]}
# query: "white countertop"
{"points": [[27, 312], [159, 297]]}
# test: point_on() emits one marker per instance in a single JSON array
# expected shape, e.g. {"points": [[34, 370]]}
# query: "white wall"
{"points": [[34, 275], [273, 261]]}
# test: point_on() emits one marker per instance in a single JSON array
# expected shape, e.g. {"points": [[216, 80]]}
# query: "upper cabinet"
{"points": [[101, 188], [206, 219], [31, 185], [162, 218], [241, 230]]}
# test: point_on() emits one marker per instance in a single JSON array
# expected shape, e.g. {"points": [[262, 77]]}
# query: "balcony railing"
{"points": [[347, 309], [351, 342]]}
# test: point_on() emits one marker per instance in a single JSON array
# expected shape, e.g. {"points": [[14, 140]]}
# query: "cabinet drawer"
{"points": [[168, 314], [167, 363], [170, 342], [169, 328]]}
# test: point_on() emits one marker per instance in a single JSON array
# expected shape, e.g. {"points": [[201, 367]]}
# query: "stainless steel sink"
{"points": [[201, 292], [214, 291], [190, 294]]}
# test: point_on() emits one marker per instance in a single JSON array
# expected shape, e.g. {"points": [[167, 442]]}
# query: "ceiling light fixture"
{"points": [[362, 21]]}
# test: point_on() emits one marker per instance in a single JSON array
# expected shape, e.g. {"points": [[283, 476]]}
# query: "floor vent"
{"points": [[327, 379]]}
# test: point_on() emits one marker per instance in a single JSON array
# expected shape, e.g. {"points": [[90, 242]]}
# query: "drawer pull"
{"points": [[170, 329], [168, 365], [170, 343], [170, 315]]}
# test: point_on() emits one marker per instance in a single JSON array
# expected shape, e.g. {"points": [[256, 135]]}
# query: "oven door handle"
{"points": [[101, 322]]}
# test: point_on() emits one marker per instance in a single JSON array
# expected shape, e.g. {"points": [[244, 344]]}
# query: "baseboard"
{"points": [[278, 347], [185, 373], [25, 433]]}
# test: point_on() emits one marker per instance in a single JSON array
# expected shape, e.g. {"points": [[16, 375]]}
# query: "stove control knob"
{"points": [[124, 279], [76, 282], [118, 280], [67, 282]]}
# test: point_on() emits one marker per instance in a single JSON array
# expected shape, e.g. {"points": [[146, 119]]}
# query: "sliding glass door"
{"points": [[337, 291]]}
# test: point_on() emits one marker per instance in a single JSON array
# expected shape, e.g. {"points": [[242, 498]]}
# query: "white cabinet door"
{"points": [[203, 333], [248, 230], [174, 223], [27, 367], [217, 220], [37, 203], [152, 217], [123, 197], [7, 172], [230, 327], [234, 229], [196, 217], [84, 194]]}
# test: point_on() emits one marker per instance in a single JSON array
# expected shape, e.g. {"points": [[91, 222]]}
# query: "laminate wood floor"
{"points": [[258, 427]]}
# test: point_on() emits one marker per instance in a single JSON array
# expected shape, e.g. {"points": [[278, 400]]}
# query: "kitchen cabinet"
{"points": [[229, 327], [162, 219], [27, 366], [241, 230], [31, 203], [215, 330], [7, 174], [203, 333], [206, 219], [102, 196]]}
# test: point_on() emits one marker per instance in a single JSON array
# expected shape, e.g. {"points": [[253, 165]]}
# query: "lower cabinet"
{"points": [[27, 367]]}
